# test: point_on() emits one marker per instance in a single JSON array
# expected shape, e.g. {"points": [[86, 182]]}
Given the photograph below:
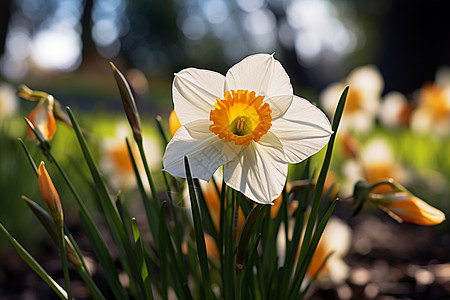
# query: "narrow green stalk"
{"points": [[35, 265], [87, 278], [163, 261], [161, 129], [47, 221], [62, 251], [304, 264], [149, 174], [141, 258], [199, 237], [30, 159], [150, 209], [244, 237], [321, 180], [120, 236]]}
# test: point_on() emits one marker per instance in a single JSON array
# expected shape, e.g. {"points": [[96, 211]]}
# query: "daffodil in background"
{"points": [[8, 101], [249, 121], [395, 110], [432, 114], [116, 162], [327, 263], [363, 100], [374, 162]]}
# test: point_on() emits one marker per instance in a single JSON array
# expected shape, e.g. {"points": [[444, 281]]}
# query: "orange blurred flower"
{"points": [[50, 195], [334, 243], [116, 161], [433, 110], [328, 256]]}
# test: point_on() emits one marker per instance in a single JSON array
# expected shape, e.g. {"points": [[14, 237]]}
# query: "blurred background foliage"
{"points": [[63, 47]]}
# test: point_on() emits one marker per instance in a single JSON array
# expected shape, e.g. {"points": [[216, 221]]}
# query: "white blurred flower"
{"points": [[116, 162], [8, 101], [363, 99], [374, 163], [394, 111], [433, 112], [336, 240]]}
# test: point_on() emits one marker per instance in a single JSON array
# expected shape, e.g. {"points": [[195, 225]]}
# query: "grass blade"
{"points": [[118, 233], [163, 250], [34, 265], [141, 259], [299, 276], [150, 209], [200, 239], [321, 180]]}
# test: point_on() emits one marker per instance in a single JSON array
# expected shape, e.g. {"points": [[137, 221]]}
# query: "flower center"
{"points": [[241, 117]]}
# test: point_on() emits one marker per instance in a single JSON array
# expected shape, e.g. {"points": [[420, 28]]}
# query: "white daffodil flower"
{"points": [[249, 121]]}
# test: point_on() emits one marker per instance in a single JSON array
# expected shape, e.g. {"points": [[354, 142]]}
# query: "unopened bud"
{"points": [[50, 195], [129, 104]]}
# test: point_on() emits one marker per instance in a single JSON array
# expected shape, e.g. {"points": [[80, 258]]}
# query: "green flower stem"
{"points": [[105, 258], [34, 265], [199, 236], [141, 259], [50, 226], [150, 211], [30, 159], [299, 276], [87, 278], [390, 182], [62, 250], [321, 181], [120, 236], [148, 173]]}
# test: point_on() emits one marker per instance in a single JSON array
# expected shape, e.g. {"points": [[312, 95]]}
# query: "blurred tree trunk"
{"points": [[86, 26], [5, 15]]}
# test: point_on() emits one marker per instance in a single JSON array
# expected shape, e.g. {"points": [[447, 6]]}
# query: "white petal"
{"points": [[279, 105], [303, 130], [260, 171], [194, 93], [205, 151], [260, 73]]}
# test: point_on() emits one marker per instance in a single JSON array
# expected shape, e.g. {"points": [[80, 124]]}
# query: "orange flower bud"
{"points": [[404, 206], [174, 123], [50, 195]]}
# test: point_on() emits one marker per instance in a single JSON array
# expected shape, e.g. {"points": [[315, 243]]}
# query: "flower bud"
{"points": [[43, 119], [403, 206], [50, 195], [129, 104]]}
